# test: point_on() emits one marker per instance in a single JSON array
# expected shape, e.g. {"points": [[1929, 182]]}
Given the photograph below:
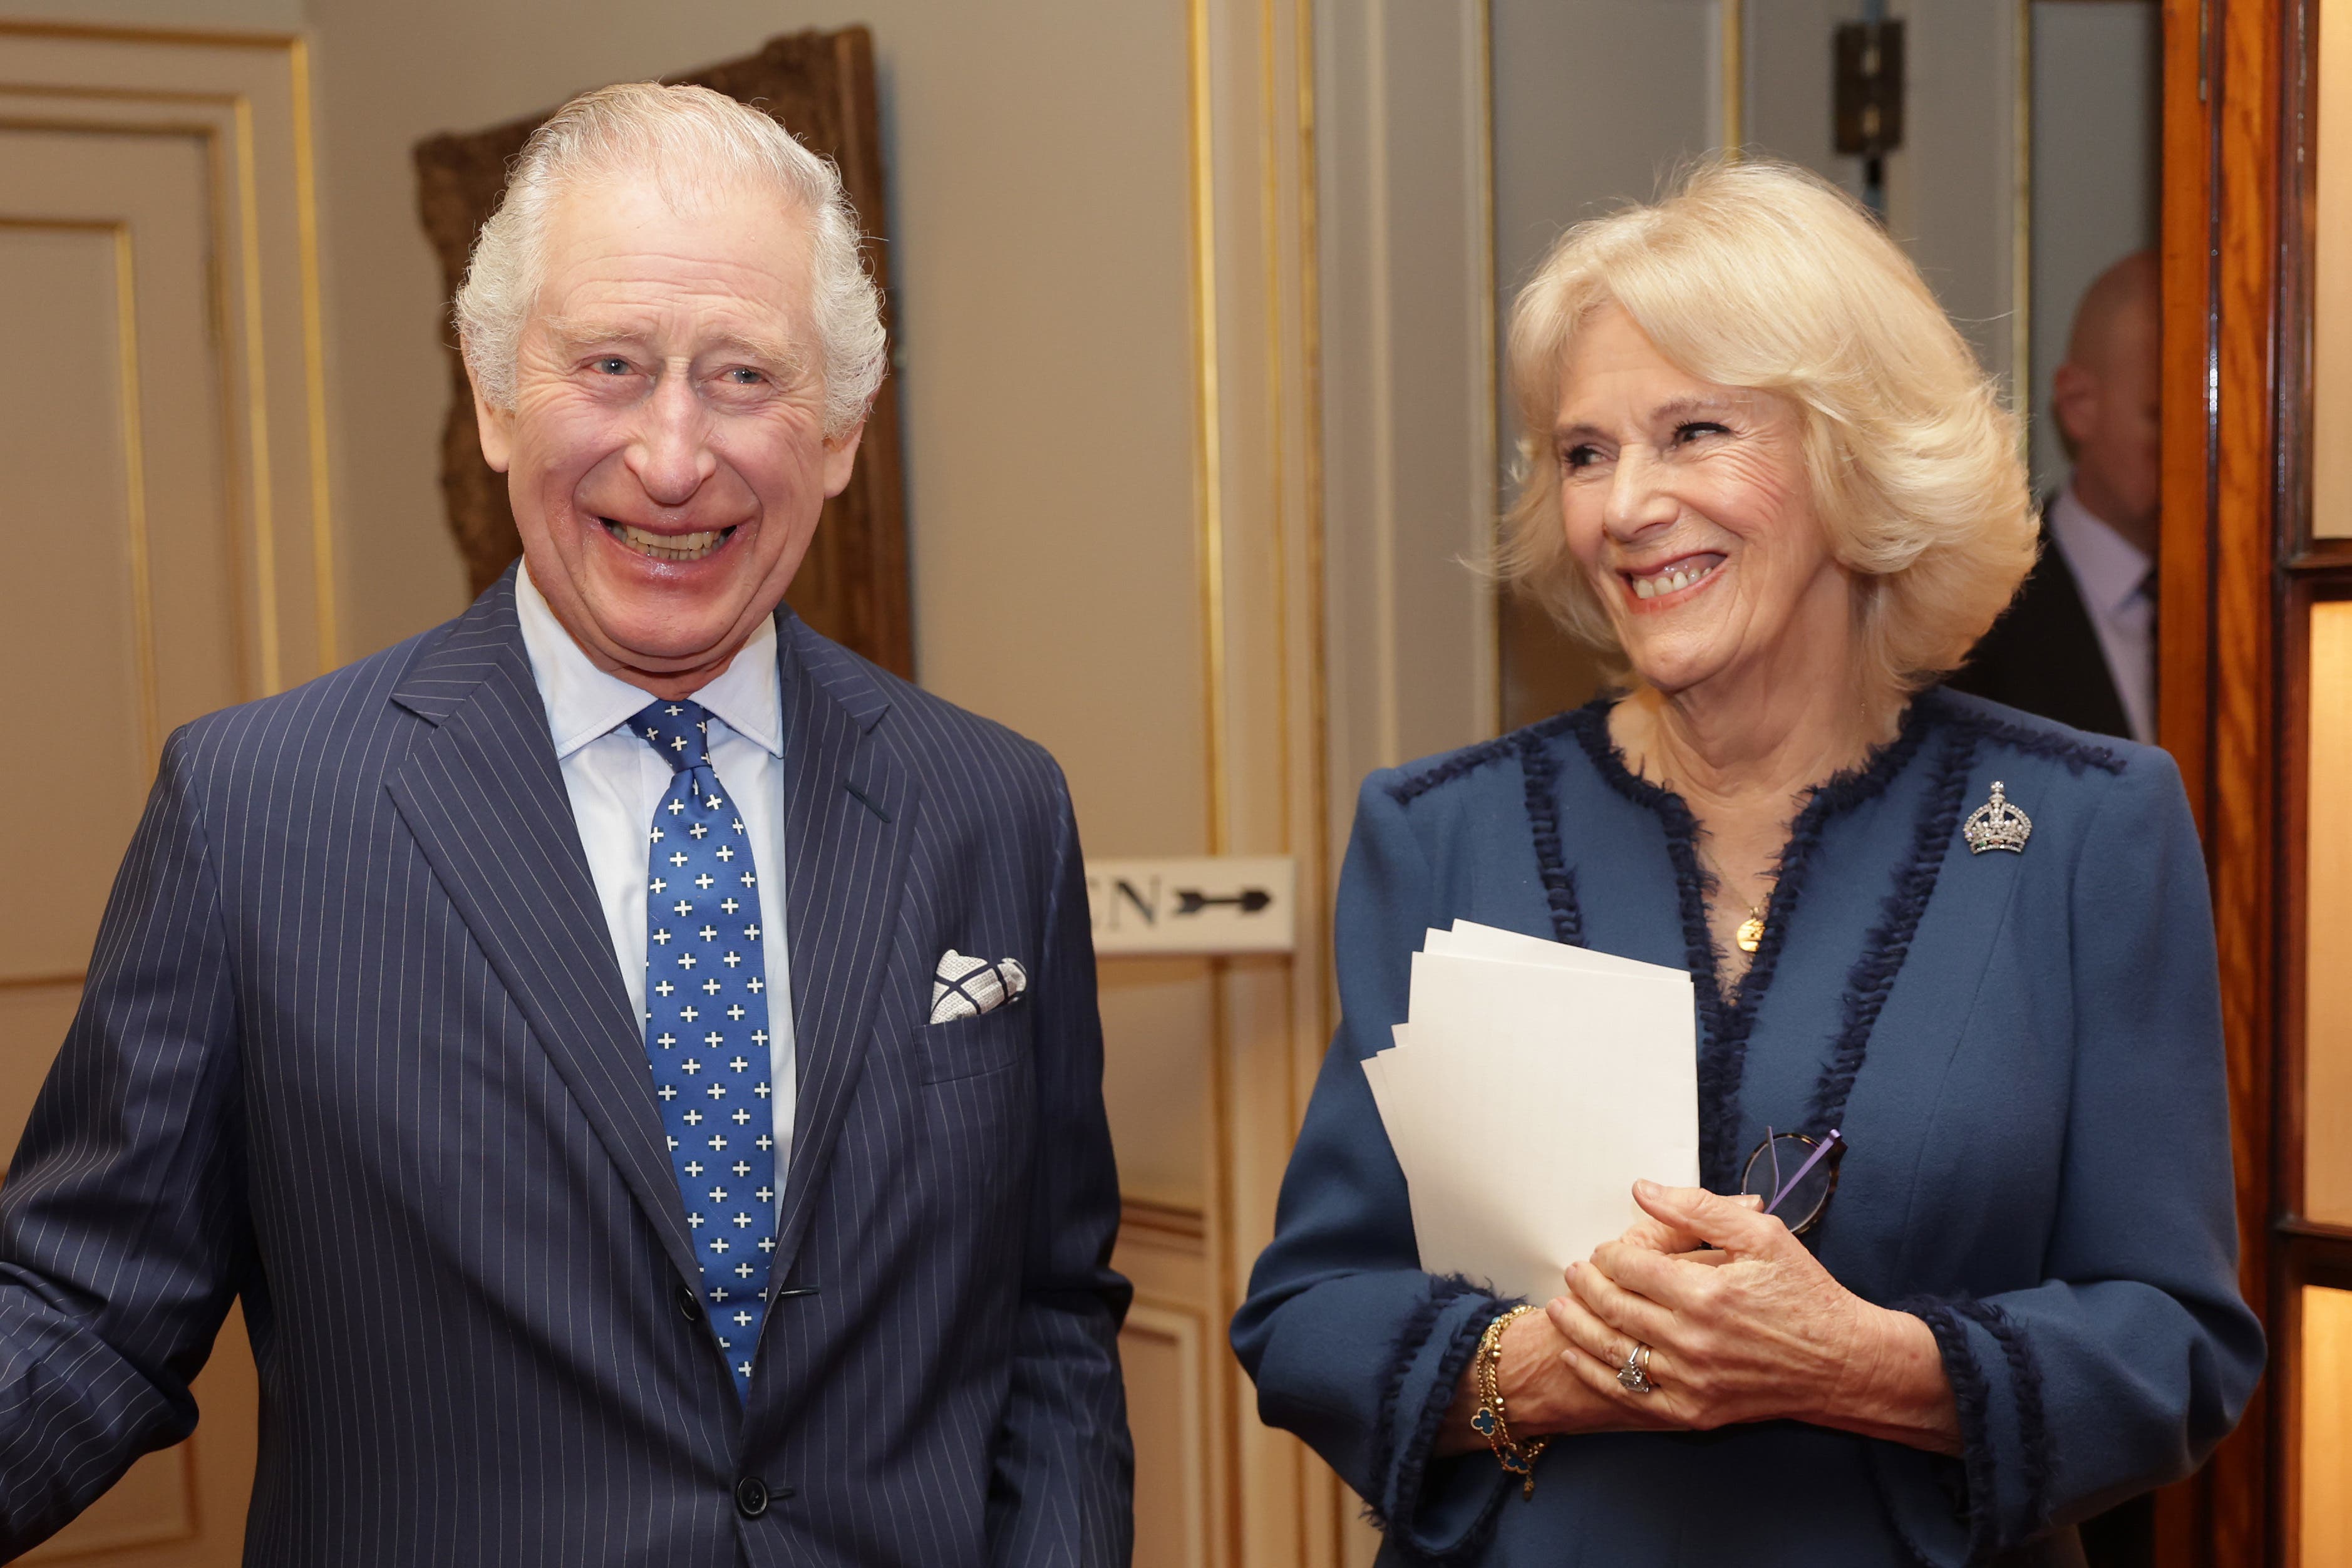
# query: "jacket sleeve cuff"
{"points": [[1438, 1509], [1995, 1496]]}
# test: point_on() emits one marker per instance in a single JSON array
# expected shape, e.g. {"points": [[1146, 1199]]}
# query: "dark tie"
{"points": [[707, 1029]]}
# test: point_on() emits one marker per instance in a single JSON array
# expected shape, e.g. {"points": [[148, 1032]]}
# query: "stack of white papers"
{"points": [[1530, 1086]]}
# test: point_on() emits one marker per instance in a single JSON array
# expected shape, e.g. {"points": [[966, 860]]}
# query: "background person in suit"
{"points": [[533, 1025], [2079, 643]]}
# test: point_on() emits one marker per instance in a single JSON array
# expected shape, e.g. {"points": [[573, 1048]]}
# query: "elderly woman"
{"points": [[1768, 478]]}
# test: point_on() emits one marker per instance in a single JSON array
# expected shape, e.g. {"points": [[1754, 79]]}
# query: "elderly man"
{"points": [[636, 1063], [2079, 645]]}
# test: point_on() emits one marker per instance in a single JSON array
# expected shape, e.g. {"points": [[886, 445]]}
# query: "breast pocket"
{"points": [[977, 1095], [967, 1047]]}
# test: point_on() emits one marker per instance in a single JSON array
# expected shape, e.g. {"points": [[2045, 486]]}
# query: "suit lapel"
{"points": [[849, 806], [484, 798], [2075, 664], [2075, 659]]}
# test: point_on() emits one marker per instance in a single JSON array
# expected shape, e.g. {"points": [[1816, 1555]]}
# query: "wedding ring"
{"points": [[1636, 1373]]}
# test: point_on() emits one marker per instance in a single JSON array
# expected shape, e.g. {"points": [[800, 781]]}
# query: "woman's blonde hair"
{"points": [[1762, 276]]}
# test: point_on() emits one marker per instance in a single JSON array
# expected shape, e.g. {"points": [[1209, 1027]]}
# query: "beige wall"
{"points": [[1038, 239], [2098, 105], [1406, 361], [1951, 187]]}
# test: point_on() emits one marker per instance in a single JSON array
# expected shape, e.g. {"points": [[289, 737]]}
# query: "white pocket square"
{"points": [[965, 987]]}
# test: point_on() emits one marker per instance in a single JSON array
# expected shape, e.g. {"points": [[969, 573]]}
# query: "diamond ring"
{"points": [[1636, 1373]]}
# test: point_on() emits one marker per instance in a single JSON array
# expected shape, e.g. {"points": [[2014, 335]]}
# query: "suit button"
{"points": [[688, 1307], [752, 1496]]}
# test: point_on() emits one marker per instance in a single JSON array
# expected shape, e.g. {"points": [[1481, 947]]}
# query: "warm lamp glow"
{"points": [[2325, 1530], [2327, 953]]}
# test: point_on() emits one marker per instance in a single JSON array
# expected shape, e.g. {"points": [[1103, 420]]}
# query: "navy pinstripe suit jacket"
{"points": [[353, 1048]]}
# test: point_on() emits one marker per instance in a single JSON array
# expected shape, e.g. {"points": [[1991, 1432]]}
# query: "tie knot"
{"points": [[675, 730]]}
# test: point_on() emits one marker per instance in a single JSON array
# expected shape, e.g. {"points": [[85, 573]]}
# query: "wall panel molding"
{"points": [[246, 97], [1406, 164], [1259, 337]]}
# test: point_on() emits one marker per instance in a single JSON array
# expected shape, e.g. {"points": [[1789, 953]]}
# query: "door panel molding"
{"points": [[248, 94], [134, 480], [1250, 135]]}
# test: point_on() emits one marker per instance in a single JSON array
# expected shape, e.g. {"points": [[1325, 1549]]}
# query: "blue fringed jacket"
{"points": [[2024, 1051]]}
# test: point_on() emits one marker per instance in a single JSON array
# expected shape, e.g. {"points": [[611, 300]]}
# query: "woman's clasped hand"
{"points": [[1743, 1324]]}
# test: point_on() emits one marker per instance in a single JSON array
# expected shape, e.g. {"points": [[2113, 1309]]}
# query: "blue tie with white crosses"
{"points": [[706, 1028]]}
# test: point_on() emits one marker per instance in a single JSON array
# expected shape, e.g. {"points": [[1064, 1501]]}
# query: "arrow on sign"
{"points": [[1249, 901], [1227, 904]]}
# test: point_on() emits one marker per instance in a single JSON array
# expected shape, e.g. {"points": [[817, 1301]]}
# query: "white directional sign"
{"points": [[1210, 905]]}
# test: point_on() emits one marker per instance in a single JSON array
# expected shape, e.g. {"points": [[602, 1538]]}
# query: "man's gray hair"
{"points": [[687, 140]]}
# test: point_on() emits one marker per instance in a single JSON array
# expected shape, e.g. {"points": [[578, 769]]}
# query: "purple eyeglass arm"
{"points": [[1827, 1145]]}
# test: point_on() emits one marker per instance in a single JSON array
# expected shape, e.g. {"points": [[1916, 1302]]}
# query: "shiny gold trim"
{"points": [[1310, 968], [257, 398], [116, 94], [134, 464], [101, 32], [192, 129], [1223, 1405], [41, 982], [2021, 261], [63, 224], [1379, 393], [1315, 858], [1731, 45], [1224, 1264], [220, 192], [1485, 497], [1208, 456], [1277, 413], [314, 361]]}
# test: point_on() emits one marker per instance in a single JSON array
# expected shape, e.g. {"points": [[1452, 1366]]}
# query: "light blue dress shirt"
{"points": [[615, 781]]}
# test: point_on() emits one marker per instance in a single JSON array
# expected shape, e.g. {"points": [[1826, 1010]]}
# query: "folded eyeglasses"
{"points": [[1812, 1166]]}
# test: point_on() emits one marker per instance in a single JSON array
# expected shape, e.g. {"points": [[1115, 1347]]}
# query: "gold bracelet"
{"points": [[1489, 1421]]}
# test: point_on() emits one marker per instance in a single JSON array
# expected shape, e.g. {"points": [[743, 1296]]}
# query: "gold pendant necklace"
{"points": [[1750, 935]]}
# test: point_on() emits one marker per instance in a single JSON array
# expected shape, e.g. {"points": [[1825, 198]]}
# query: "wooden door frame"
{"points": [[2240, 571], [2220, 241]]}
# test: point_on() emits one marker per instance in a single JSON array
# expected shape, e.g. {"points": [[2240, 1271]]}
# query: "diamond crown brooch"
{"points": [[1997, 825]]}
